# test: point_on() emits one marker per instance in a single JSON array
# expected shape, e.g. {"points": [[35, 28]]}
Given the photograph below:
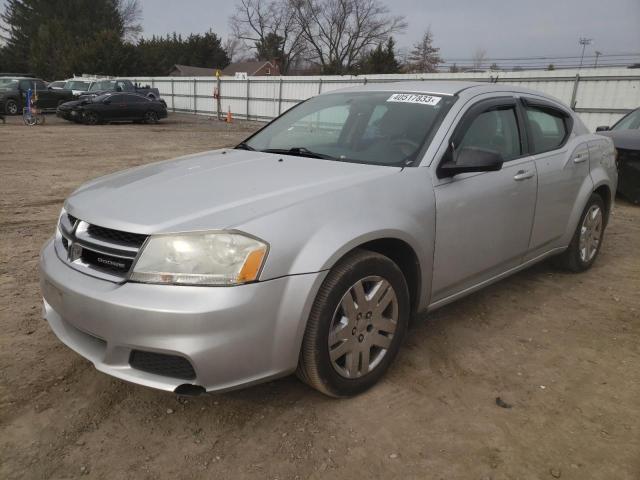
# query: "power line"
{"points": [[548, 57]]}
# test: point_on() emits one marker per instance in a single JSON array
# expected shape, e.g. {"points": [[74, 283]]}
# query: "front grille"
{"points": [[162, 364], [96, 250], [116, 236], [108, 263]]}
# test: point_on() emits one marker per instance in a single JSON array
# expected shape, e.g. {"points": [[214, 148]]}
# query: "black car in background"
{"points": [[626, 138], [113, 107], [13, 94], [121, 85]]}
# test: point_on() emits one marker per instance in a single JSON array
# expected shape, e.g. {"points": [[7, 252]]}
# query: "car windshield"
{"points": [[381, 128], [103, 85], [630, 122], [77, 85]]}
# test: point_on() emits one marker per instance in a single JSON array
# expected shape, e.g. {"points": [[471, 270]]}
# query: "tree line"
{"points": [[57, 38]]}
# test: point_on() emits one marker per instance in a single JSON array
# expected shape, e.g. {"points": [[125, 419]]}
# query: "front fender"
{"points": [[313, 234]]}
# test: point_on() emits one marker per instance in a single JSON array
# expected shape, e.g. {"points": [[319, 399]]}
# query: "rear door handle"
{"points": [[523, 175]]}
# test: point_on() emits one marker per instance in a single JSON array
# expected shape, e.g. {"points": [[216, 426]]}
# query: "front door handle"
{"points": [[523, 175], [580, 157]]}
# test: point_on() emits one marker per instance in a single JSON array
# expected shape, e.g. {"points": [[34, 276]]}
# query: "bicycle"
{"points": [[31, 114]]}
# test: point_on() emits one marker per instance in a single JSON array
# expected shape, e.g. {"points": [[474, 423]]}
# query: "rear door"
{"points": [[561, 165], [138, 106], [483, 220]]}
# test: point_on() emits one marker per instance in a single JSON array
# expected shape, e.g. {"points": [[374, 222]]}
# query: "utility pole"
{"points": [[595, 65], [584, 42]]}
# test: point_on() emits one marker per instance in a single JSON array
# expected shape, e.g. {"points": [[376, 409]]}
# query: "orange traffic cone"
{"points": [[229, 116]]}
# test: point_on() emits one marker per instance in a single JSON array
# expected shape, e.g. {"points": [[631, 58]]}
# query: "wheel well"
{"points": [[401, 253], [605, 194]]}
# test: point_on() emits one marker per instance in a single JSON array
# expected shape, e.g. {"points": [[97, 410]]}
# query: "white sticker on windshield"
{"points": [[414, 98]]}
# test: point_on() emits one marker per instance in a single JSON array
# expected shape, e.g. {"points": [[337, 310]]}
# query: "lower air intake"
{"points": [[162, 364]]}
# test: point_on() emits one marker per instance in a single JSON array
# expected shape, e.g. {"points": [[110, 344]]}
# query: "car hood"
{"points": [[71, 104], [212, 190], [624, 139]]}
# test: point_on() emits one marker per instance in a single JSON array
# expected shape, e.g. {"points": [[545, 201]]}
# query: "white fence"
{"points": [[601, 96]]}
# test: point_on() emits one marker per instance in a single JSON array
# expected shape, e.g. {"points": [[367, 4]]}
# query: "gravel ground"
{"points": [[562, 350]]}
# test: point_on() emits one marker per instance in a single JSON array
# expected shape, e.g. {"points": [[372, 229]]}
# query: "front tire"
{"points": [[91, 118], [587, 239], [151, 117], [356, 326]]}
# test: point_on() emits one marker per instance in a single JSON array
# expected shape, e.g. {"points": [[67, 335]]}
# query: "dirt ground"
{"points": [[563, 350]]}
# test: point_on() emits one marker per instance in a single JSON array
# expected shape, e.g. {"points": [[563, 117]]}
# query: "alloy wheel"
{"points": [[12, 107], [590, 233], [151, 117], [363, 326]]}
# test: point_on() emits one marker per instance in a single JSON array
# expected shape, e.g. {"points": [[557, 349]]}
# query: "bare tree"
{"points": [[339, 32], [233, 46], [478, 57], [258, 22], [425, 57], [131, 15]]}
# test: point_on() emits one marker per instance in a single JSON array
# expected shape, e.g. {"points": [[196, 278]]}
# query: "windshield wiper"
{"points": [[244, 146], [299, 152]]}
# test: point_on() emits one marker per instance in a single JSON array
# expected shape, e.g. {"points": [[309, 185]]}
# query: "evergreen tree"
{"points": [[425, 57], [45, 36], [272, 47], [381, 59]]}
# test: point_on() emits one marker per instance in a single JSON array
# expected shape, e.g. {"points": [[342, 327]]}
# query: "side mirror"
{"points": [[471, 159], [118, 89], [602, 128]]}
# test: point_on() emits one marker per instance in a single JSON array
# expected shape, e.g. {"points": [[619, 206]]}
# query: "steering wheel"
{"points": [[406, 146]]}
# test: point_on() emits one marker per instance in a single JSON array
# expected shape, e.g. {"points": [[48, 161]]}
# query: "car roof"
{"points": [[440, 87]]}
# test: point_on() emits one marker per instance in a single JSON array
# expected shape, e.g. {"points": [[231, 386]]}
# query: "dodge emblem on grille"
{"points": [[75, 252]]}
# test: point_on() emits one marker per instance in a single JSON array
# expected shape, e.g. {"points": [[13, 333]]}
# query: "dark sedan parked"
{"points": [[114, 107], [626, 138]]}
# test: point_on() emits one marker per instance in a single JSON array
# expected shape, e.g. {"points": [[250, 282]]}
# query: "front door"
{"points": [[483, 220]]}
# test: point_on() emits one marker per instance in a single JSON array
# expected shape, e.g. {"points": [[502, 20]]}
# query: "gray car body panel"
{"points": [[466, 232]]}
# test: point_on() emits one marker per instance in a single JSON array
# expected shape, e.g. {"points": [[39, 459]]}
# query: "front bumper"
{"points": [[232, 336]]}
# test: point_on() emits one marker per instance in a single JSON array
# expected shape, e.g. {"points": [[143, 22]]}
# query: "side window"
{"points": [[25, 84], [123, 87], [495, 130], [547, 129], [40, 85]]}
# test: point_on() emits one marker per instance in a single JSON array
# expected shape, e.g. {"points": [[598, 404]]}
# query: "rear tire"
{"points": [[587, 239], [356, 326], [11, 107]]}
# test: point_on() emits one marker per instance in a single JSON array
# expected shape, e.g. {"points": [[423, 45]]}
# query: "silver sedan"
{"points": [[308, 247]]}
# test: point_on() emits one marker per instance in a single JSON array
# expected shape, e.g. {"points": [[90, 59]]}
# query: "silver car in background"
{"points": [[308, 247]]}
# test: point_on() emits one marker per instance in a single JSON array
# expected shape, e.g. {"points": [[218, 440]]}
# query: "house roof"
{"points": [[189, 71], [249, 67]]}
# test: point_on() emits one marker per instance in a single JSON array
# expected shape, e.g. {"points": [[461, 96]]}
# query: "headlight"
{"points": [[218, 258]]}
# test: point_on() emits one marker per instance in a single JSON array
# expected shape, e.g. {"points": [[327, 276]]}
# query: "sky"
{"points": [[504, 28]]}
